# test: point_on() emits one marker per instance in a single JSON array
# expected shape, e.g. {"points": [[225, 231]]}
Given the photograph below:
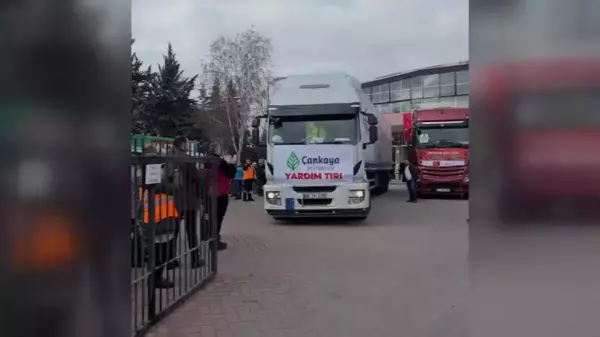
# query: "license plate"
{"points": [[443, 190], [314, 196]]}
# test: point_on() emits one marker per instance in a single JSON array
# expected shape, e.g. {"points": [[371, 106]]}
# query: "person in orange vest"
{"points": [[186, 180], [249, 176], [166, 221]]}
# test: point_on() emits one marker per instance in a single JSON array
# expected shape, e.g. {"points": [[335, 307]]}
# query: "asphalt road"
{"points": [[402, 272]]}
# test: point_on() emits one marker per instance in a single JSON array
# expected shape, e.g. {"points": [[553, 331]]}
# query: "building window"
{"points": [[375, 95], [415, 103], [369, 93], [462, 101], [448, 102], [416, 87], [447, 84], [385, 93], [430, 103], [431, 86], [384, 108], [400, 90], [400, 107], [462, 82], [381, 93]]}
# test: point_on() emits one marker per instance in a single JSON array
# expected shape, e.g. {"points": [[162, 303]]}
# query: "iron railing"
{"points": [[173, 233]]}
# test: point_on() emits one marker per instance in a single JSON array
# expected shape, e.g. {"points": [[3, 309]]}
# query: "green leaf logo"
{"points": [[293, 162]]}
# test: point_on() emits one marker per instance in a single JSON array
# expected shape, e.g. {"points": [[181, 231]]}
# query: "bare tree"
{"points": [[244, 64]]}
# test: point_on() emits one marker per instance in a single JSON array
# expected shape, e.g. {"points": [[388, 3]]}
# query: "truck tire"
{"points": [[383, 183]]}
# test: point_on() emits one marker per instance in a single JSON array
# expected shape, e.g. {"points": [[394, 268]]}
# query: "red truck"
{"points": [[542, 120], [438, 146]]}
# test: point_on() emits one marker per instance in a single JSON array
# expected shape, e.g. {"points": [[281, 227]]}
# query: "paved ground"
{"points": [[400, 273]]}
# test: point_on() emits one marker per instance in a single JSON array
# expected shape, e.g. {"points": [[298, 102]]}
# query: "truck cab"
{"points": [[543, 124], [323, 142], [438, 141]]}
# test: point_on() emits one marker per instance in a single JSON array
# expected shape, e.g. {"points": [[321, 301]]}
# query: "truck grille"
{"points": [[314, 189], [442, 173]]}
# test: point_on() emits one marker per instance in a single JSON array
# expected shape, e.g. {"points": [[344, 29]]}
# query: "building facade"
{"points": [[445, 85], [432, 87]]}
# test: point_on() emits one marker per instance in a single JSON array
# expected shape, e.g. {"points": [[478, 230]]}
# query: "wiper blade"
{"points": [[291, 143], [333, 142]]}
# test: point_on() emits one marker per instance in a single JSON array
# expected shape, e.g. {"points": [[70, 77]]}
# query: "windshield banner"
{"points": [[443, 157], [311, 163]]}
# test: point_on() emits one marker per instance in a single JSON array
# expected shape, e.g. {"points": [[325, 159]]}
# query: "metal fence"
{"points": [[173, 233]]}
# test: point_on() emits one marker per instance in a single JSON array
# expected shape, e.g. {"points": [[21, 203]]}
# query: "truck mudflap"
{"points": [[320, 213]]}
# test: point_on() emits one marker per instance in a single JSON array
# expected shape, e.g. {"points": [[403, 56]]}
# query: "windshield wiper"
{"points": [[454, 144], [290, 143], [334, 142]]}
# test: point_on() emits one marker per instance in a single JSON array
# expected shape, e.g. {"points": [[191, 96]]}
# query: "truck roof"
{"points": [[313, 89]]}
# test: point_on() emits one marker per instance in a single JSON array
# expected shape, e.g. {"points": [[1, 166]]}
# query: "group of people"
{"points": [[184, 194], [249, 178]]}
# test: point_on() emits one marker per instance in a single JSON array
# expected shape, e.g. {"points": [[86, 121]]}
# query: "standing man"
{"points": [[186, 180], [225, 173], [248, 180], [409, 175], [260, 177]]}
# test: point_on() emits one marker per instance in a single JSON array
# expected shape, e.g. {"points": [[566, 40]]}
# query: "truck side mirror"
{"points": [[373, 135], [255, 136], [372, 119]]}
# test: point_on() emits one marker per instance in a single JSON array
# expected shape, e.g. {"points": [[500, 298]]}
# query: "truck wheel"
{"points": [[383, 183]]}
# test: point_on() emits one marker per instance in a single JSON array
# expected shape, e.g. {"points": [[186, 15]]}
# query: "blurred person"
{"points": [[239, 182], [186, 180], [248, 176], [409, 175], [261, 177], [166, 220], [225, 173]]}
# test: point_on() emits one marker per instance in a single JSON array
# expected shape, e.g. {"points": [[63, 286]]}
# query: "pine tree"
{"points": [[141, 95], [173, 111]]}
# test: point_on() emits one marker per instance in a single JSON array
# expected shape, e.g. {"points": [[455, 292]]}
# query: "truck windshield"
{"points": [[557, 109], [333, 129], [442, 137]]}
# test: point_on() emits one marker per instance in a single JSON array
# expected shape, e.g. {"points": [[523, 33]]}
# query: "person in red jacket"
{"points": [[225, 173]]}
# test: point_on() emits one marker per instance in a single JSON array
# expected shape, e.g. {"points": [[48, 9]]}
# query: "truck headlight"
{"points": [[273, 195], [273, 198], [466, 179], [356, 196], [357, 193]]}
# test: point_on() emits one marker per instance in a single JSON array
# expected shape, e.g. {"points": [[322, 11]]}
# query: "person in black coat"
{"points": [[409, 175]]}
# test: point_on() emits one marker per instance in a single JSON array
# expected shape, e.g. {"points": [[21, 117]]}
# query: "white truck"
{"points": [[327, 150]]}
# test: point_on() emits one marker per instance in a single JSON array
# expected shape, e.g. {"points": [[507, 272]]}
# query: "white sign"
{"points": [[153, 174], [443, 163], [326, 162], [423, 138]]}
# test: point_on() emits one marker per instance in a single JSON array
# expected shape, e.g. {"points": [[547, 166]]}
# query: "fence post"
{"points": [[214, 230], [151, 255]]}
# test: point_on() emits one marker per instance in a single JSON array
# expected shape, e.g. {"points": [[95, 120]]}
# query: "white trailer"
{"points": [[327, 150]]}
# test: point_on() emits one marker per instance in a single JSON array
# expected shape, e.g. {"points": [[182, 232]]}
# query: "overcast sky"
{"points": [[366, 38]]}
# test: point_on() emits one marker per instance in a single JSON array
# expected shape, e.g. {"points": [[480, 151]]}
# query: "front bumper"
{"points": [[319, 213], [446, 188], [337, 203]]}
